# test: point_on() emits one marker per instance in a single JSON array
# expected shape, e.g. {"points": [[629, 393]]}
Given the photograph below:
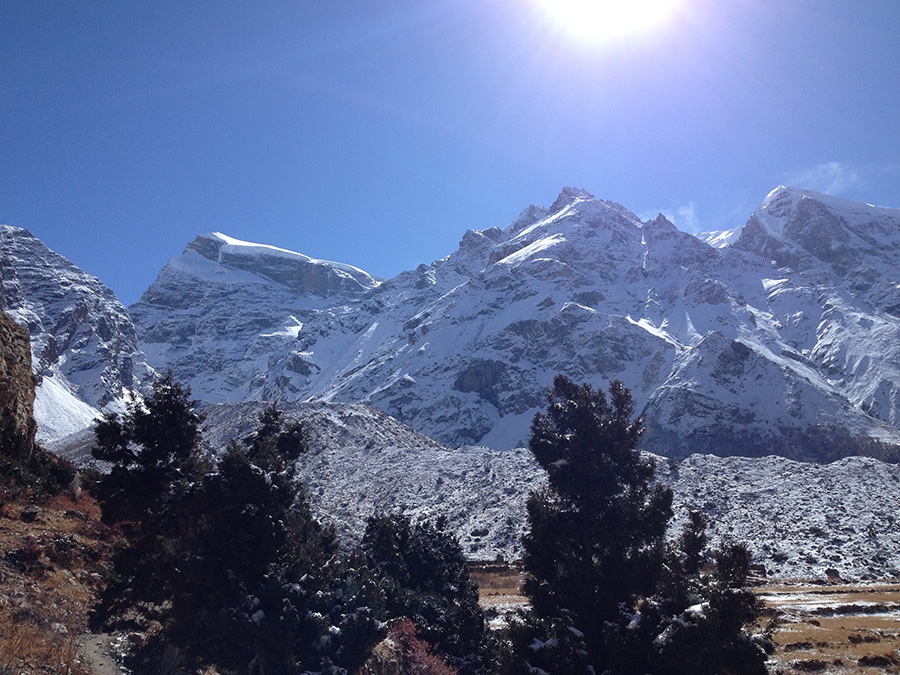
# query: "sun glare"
{"points": [[602, 21]]}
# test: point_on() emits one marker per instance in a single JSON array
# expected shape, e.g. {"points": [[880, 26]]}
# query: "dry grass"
{"points": [[841, 629], [28, 647], [499, 590], [496, 579], [852, 630], [50, 571]]}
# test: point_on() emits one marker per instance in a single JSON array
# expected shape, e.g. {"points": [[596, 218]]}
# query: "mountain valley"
{"points": [[745, 352]]}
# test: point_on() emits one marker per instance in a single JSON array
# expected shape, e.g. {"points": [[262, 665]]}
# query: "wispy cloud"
{"points": [[832, 178], [686, 218], [683, 217]]}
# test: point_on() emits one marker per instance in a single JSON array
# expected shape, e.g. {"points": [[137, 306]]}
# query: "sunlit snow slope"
{"points": [[750, 348]]}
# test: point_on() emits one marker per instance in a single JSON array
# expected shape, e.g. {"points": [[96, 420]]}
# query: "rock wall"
{"points": [[16, 382]]}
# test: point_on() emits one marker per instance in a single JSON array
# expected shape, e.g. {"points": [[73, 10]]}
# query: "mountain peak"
{"points": [[295, 270], [84, 351], [783, 199], [660, 221], [569, 196], [783, 204]]}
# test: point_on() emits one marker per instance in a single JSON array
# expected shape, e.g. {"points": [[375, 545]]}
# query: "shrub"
{"points": [[26, 469], [424, 576]]}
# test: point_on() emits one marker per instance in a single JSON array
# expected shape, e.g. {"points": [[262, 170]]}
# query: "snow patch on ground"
{"points": [[60, 411]]}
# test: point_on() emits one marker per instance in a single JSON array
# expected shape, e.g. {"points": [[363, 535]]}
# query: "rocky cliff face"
{"points": [[726, 350], [84, 349], [16, 383]]}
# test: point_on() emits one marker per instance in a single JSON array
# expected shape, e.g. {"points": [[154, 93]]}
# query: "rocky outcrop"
{"points": [[85, 356], [16, 381]]}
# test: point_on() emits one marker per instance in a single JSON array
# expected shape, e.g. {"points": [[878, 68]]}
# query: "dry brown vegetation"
{"points": [[496, 579], [51, 567], [845, 629], [848, 629], [499, 589]]}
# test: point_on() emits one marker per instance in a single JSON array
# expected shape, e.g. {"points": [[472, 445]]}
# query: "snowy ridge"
{"points": [[802, 521], [794, 324], [720, 238], [234, 246], [295, 270]]}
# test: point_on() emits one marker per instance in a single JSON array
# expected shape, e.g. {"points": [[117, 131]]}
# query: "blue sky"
{"points": [[376, 133]]}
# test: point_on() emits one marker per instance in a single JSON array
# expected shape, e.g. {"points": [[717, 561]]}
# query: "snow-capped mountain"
{"points": [[720, 346], [230, 317], [758, 346], [84, 347]]}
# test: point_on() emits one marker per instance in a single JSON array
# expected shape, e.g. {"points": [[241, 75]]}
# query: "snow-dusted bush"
{"points": [[424, 575]]}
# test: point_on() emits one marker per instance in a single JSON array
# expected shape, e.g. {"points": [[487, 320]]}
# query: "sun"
{"points": [[603, 21]]}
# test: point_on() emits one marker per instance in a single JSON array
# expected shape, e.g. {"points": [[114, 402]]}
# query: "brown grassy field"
{"points": [[499, 590], [842, 629], [50, 569]]}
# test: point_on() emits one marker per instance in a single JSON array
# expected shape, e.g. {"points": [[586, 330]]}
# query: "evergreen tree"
{"points": [[153, 451], [231, 561], [596, 533], [693, 542], [155, 469], [423, 572], [226, 603], [607, 594], [263, 582], [699, 627]]}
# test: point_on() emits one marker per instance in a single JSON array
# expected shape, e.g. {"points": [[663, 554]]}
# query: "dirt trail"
{"points": [[99, 651]]}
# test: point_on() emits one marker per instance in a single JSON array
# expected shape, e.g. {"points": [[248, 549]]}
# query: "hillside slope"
{"points": [[801, 520]]}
